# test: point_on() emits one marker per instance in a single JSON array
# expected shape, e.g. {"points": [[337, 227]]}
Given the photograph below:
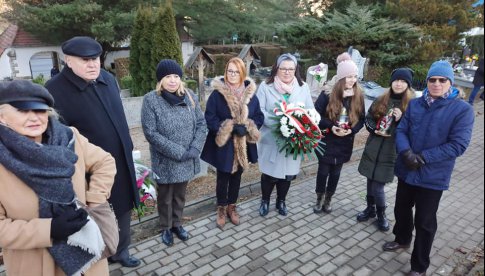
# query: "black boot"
{"points": [[264, 208], [369, 212], [167, 237], [327, 208], [382, 222], [318, 208], [281, 207]]}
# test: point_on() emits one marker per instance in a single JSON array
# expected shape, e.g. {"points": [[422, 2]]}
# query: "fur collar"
{"points": [[250, 88]]}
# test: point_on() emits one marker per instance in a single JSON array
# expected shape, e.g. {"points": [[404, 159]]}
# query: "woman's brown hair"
{"points": [[381, 106], [274, 71], [335, 102], [241, 67]]}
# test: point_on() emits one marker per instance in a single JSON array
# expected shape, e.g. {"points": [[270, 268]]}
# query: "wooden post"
{"points": [[248, 65], [200, 64]]}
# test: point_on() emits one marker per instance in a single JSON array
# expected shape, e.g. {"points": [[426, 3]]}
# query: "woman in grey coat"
{"points": [[175, 127], [286, 84]]}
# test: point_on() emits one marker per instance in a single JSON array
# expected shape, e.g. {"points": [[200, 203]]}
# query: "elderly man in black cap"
{"points": [[88, 98]]}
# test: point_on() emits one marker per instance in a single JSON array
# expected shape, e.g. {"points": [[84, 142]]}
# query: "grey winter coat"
{"points": [[271, 161], [171, 130], [379, 156]]}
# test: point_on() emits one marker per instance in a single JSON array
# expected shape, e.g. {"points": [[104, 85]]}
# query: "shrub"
{"points": [[191, 84], [39, 80], [126, 82]]}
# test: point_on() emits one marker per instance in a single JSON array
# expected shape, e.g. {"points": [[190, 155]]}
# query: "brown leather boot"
{"points": [[221, 216], [232, 214]]}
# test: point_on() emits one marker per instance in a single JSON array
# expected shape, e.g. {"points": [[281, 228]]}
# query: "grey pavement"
{"points": [[304, 243]]}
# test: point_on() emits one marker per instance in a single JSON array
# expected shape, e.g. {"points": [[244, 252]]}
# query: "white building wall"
{"points": [[187, 50], [25, 54], [5, 70]]}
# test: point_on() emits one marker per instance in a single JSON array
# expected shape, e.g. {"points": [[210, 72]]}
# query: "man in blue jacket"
{"points": [[435, 129]]}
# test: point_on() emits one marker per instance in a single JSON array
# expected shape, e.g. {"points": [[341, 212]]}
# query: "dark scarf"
{"points": [[173, 99], [47, 169]]}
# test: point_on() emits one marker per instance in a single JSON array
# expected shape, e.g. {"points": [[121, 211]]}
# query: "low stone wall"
{"points": [[132, 107]]}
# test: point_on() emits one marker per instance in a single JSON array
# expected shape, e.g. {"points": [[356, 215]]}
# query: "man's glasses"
{"points": [[441, 80], [287, 70], [231, 72]]}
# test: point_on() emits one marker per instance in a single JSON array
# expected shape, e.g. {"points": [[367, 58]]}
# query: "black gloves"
{"points": [[412, 160], [68, 222], [239, 130], [191, 153]]}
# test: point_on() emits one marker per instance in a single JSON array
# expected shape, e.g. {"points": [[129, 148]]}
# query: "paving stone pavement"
{"points": [[304, 243]]}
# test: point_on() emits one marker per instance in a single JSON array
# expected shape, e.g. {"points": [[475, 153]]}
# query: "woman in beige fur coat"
{"points": [[233, 118], [43, 168]]}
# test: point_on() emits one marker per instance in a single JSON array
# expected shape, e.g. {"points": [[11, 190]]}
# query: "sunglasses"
{"points": [[441, 80]]}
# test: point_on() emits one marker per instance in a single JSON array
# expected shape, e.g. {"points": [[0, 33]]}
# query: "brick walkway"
{"points": [[304, 243]]}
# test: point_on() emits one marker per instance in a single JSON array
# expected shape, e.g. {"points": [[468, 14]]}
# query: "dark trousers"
{"points": [[376, 190], [125, 237], [269, 182], [227, 187], [474, 93], [170, 204], [327, 178], [426, 202]]}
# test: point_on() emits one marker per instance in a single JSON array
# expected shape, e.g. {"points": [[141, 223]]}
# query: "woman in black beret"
{"points": [[43, 167]]}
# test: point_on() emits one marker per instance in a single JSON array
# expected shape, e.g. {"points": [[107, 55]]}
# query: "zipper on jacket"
{"points": [[377, 158]]}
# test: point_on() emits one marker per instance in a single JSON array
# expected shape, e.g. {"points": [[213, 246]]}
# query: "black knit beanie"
{"points": [[167, 67], [404, 74]]}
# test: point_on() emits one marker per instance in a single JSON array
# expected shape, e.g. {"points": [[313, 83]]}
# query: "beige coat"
{"points": [[24, 238]]}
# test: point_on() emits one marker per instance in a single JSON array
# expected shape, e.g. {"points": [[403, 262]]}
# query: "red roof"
{"points": [[25, 39], [14, 36], [7, 38]]}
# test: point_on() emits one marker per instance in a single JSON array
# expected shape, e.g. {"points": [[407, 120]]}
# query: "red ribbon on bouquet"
{"points": [[284, 110]]}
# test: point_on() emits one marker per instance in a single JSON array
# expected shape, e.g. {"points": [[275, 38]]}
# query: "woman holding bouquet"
{"points": [[379, 156], [278, 169], [175, 128], [343, 112], [233, 118]]}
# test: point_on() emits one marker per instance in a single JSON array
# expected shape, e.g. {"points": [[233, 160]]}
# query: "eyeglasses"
{"points": [[441, 80], [231, 72], [287, 70]]}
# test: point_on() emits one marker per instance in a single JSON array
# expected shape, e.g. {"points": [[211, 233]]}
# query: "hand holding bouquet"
{"points": [[297, 132]]}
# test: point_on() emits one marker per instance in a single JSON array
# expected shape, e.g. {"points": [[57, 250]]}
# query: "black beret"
{"points": [[82, 46], [25, 95], [168, 67]]}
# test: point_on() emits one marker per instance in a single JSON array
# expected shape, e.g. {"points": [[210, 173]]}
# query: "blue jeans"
{"points": [[474, 93]]}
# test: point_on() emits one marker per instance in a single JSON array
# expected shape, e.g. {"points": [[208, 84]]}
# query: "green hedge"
{"points": [[192, 85]]}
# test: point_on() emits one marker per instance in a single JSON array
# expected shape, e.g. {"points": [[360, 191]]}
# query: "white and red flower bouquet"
{"points": [[146, 183], [297, 132]]}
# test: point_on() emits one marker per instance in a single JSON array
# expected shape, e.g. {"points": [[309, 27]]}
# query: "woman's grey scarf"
{"points": [[47, 169]]}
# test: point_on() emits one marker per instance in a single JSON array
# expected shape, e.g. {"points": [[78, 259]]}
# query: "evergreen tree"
{"points": [[154, 38], [441, 21], [135, 65]]}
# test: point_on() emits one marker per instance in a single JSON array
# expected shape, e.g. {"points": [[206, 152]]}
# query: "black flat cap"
{"points": [[25, 95], [82, 46]]}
